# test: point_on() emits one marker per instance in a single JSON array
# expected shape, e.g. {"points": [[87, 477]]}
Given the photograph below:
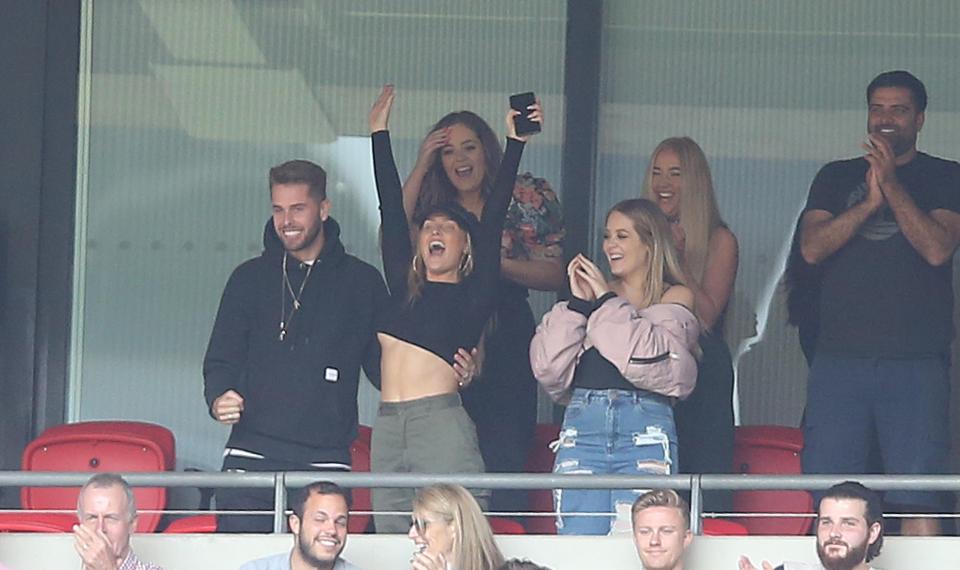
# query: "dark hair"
{"points": [[904, 79], [299, 501], [301, 172], [873, 509], [452, 210], [436, 187], [521, 564]]}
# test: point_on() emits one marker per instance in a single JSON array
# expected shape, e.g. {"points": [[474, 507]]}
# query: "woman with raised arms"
{"points": [[443, 291], [458, 162]]}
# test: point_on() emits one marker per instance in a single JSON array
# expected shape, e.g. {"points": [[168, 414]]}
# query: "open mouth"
{"points": [[463, 171], [615, 256], [289, 232], [328, 542], [436, 248]]}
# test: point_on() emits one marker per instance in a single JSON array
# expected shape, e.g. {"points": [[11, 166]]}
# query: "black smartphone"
{"points": [[520, 102]]}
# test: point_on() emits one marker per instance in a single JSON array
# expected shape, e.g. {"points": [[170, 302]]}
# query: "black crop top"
{"points": [[446, 316], [595, 372]]}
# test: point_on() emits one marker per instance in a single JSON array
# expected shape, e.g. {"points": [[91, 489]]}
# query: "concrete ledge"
{"points": [[227, 552]]}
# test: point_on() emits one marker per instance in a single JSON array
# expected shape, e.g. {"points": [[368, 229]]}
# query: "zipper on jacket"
{"points": [[650, 359]]}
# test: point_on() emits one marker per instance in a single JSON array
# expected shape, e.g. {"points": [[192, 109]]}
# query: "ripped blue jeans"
{"points": [[611, 432]]}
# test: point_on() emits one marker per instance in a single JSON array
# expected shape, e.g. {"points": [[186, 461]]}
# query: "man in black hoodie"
{"points": [[293, 329]]}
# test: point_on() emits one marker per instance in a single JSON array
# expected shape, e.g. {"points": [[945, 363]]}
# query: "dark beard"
{"points": [[855, 555], [899, 143], [312, 560]]}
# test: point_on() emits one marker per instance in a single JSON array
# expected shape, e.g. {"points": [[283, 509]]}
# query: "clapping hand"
{"points": [[745, 564], [578, 284], [882, 159], [591, 275]]}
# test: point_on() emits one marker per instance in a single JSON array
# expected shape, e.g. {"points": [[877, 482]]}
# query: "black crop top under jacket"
{"points": [[446, 316]]}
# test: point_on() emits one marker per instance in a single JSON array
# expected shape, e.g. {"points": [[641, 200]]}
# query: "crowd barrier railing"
{"points": [[281, 481]]}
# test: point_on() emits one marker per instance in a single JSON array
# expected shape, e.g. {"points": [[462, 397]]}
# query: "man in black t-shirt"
{"points": [[883, 229]]}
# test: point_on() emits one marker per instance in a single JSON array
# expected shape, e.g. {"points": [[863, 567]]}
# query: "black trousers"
{"points": [[252, 499], [705, 421], [502, 402]]}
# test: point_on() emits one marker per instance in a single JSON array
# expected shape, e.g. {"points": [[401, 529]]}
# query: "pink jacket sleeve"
{"points": [[555, 349], [654, 348]]}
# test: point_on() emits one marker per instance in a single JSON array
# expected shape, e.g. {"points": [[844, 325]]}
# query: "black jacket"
{"points": [[300, 394]]}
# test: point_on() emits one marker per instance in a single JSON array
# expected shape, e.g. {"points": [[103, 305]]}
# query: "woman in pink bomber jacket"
{"points": [[619, 354]]}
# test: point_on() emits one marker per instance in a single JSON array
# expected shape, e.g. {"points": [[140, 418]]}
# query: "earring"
{"points": [[466, 263], [415, 263]]}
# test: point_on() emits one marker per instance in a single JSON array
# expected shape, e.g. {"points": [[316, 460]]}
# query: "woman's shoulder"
{"points": [[723, 236], [723, 244], [679, 295]]}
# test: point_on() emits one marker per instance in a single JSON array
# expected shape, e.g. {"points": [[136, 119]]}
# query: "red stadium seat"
{"points": [[540, 460], [97, 447], [501, 525], [771, 450], [36, 522], [722, 527], [194, 524], [360, 458]]}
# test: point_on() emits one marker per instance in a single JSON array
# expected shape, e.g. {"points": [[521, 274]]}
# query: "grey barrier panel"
{"points": [[281, 481]]}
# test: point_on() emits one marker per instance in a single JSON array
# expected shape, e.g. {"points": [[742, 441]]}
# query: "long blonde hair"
{"points": [[699, 215], [654, 231], [473, 546]]}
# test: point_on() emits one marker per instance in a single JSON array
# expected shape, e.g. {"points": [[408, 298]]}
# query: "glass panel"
{"points": [[771, 91], [192, 102]]}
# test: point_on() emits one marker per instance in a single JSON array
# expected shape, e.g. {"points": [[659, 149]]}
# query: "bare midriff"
{"points": [[409, 372]]}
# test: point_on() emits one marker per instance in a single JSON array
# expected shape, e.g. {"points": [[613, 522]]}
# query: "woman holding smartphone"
{"points": [[458, 162], [678, 180], [619, 354], [442, 293]]}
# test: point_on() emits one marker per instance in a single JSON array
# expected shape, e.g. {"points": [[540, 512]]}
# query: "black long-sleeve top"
{"points": [[445, 316]]}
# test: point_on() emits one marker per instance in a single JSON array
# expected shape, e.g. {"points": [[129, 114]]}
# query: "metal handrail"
{"points": [[280, 481]]}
